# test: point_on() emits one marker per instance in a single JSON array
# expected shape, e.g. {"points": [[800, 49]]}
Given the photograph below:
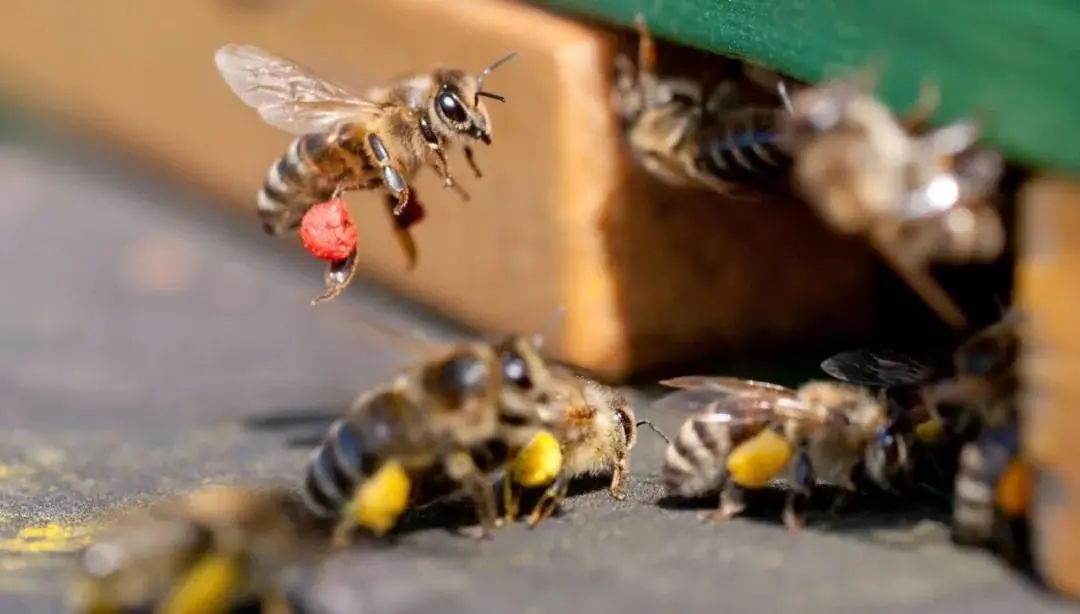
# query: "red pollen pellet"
{"points": [[327, 231]]}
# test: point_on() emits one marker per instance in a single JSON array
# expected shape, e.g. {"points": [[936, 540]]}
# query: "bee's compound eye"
{"points": [[463, 375], [451, 108], [515, 370]]}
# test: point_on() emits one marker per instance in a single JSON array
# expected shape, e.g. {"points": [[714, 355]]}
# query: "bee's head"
{"points": [[522, 366], [815, 110], [457, 102]]}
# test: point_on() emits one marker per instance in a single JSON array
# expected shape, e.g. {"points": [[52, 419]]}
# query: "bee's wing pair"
{"points": [[737, 401], [286, 95], [876, 368]]}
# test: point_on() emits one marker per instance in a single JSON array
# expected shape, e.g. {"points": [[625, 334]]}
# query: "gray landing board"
{"points": [[148, 347]]}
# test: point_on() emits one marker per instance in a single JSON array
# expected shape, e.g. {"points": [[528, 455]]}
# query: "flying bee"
{"points": [[745, 434], [212, 550], [595, 429], [916, 198], [349, 141], [456, 419], [689, 137]]}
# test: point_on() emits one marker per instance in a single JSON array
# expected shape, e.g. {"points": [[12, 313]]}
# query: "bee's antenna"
{"points": [[487, 71], [654, 429], [552, 320]]}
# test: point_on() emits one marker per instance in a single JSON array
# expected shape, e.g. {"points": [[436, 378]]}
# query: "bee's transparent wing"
{"points": [[726, 385], [866, 367], [286, 95]]}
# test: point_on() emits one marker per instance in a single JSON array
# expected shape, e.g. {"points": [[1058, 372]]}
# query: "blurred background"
{"points": [[153, 338]]}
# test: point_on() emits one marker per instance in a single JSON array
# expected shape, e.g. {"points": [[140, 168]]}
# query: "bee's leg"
{"points": [[461, 468], [510, 499], [336, 278], [392, 178], [472, 161], [795, 506], [549, 502], [919, 116], [275, 602], [209, 585], [841, 502], [732, 503], [646, 50], [402, 225], [442, 166], [617, 476]]}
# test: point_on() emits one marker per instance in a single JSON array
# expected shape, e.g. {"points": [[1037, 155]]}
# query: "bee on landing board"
{"points": [[208, 551], [595, 429], [349, 141], [744, 435], [458, 419], [972, 412], [688, 135], [917, 196]]}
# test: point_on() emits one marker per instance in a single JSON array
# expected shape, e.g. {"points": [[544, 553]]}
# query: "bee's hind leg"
{"points": [[732, 503]]}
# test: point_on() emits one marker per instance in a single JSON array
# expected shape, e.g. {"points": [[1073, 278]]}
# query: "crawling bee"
{"points": [[993, 485], [595, 429], [349, 141], [916, 198], [974, 410], [459, 418], [209, 551], [746, 434], [688, 137]]}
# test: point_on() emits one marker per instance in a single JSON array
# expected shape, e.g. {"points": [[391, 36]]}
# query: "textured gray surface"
{"points": [[148, 347]]}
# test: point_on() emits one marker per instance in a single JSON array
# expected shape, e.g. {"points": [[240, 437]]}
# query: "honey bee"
{"points": [[349, 141], [208, 551], [595, 429], [917, 198], [745, 434], [973, 409], [993, 485], [688, 137], [457, 419]]}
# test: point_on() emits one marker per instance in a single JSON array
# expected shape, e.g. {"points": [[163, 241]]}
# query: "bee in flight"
{"points": [[458, 420], [209, 551], [349, 141], [595, 429], [917, 196], [744, 434], [688, 135]]}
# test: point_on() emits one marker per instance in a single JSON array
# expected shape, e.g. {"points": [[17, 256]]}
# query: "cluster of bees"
{"points": [[488, 421]]}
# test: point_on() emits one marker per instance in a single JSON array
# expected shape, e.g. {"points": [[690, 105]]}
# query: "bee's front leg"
{"points": [[472, 162], [795, 506], [618, 473], [392, 177]]}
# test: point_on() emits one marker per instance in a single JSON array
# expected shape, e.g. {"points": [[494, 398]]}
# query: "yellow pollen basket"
{"points": [[929, 431], [382, 498], [1014, 490], [539, 462], [757, 460], [208, 587]]}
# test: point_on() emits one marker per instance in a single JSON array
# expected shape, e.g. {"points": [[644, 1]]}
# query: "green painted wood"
{"points": [[1014, 63]]}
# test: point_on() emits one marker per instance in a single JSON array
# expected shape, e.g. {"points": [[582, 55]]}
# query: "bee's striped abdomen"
{"points": [[694, 462], [982, 464], [336, 467], [743, 147], [311, 169]]}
